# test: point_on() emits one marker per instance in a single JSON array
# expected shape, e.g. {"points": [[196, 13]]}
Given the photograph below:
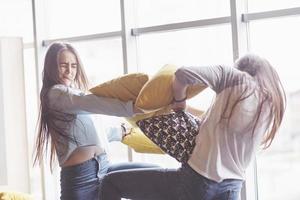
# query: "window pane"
{"points": [[16, 19], [211, 45], [102, 59], [171, 11], [266, 5], [278, 167], [194, 47], [66, 18], [278, 39]]}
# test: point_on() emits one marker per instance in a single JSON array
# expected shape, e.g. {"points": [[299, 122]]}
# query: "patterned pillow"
{"points": [[174, 133]]}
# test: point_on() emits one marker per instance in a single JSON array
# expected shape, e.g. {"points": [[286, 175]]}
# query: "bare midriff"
{"points": [[82, 154]]}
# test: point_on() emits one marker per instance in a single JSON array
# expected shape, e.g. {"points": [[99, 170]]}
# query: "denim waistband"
{"points": [[96, 158], [186, 167]]}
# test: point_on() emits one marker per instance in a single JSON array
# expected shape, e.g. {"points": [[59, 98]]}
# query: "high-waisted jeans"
{"points": [[166, 184], [82, 181]]}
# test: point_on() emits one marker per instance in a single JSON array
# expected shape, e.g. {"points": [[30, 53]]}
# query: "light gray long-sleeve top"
{"points": [[225, 148], [65, 100]]}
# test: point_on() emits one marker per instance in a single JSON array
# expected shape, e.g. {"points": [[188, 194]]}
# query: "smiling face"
{"points": [[67, 67]]}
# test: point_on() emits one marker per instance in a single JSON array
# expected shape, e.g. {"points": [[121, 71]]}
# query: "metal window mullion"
{"points": [[124, 54], [84, 37], [35, 44], [129, 43], [123, 34], [239, 30], [255, 178], [240, 45], [234, 29], [181, 25], [271, 14], [37, 61]]}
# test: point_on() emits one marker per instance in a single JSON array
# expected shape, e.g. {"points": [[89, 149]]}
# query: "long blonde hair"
{"points": [[47, 130], [270, 84]]}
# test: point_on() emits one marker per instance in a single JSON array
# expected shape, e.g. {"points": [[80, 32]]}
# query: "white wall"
{"points": [[14, 166]]}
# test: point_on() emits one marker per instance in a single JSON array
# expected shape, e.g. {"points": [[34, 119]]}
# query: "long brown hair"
{"points": [[271, 90], [48, 132]]}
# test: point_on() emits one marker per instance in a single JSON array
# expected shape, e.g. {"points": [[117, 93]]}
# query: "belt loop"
{"points": [[99, 165]]}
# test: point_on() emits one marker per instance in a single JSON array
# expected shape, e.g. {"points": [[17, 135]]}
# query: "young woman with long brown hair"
{"points": [[66, 125], [246, 113]]}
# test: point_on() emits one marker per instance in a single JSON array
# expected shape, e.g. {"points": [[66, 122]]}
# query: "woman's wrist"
{"points": [[125, 130], [179, 91]]}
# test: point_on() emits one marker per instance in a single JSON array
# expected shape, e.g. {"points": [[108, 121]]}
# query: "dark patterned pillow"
{"points": [[174, 133]]}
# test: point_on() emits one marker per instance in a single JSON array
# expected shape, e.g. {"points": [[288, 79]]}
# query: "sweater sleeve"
{"points": [[114, 134], [212, 76], [68, 100]]}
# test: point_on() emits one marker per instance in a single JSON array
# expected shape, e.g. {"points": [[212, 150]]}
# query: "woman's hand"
{"points": [[126, 130]]}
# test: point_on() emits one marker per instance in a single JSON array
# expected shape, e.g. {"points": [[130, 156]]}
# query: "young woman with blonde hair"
{"points": [[247, 111]]}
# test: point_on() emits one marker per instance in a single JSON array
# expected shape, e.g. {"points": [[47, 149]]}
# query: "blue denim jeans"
{"points": [[166, 184], [82, 181]]}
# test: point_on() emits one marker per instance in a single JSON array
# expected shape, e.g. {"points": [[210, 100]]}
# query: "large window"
{"points": [[278, 167], [277, 39]]}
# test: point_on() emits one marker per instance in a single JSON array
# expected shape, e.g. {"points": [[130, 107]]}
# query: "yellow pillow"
{"points": [[125, 88], [158, 93], [140, 142], [15, 196]]}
